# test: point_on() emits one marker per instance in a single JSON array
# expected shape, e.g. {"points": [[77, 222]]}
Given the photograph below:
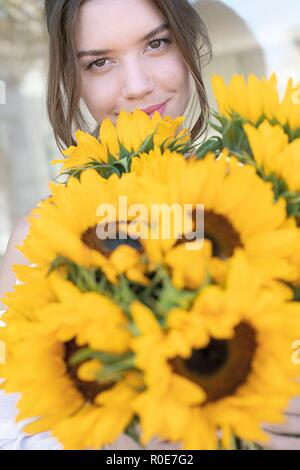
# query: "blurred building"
{"points": [[247, 36]]}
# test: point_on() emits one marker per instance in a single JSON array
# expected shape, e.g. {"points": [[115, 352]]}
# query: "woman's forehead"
{"points": [[103, 23]]}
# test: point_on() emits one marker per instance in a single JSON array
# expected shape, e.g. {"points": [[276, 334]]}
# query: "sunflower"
{"points": [[237, 207], [88, 149], [250, 99], [189, 267], [68, 227], [84, 404], [21, 301], [257, 99], [274, 154], [238, 210], [221, 368], [132, 134], [288, 112], [72, 226]]}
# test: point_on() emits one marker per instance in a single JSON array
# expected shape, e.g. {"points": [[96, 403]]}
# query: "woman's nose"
{"points": [[137, 80]]}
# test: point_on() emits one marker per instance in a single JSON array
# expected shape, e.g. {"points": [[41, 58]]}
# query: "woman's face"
{"points": [[133, 72]]}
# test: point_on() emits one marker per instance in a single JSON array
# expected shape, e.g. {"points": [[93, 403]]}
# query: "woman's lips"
{"points": [[161, 109], [151, 110]]}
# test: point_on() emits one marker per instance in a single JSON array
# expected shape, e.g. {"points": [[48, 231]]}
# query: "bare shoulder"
{"points": [[13, 256], [20, 230]]}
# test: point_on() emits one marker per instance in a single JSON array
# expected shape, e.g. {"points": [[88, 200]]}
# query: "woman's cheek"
{"points": [[99, 98], [182, 74], [173, 72]]}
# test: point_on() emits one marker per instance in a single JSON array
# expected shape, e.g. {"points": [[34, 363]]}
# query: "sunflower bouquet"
{"points": [[135, 316], [261, 130], [116, 146]]}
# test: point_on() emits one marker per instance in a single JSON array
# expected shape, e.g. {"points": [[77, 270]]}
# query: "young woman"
{"points": [[137, 72], [109, 55]]}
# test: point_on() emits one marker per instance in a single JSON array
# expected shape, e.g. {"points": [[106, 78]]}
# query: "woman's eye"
{"points": [[100, 63], [97, 63], [159, 41]]}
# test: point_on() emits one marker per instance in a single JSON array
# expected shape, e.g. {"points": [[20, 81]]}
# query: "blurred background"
{"points": [[248, 36]]}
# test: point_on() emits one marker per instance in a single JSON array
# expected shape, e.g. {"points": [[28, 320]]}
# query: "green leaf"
{"points": [[214, 144], [114, 370], [295, 134], [222, 119], [123, 294], [132, 430], [296, 293], [235, 138], [80, 356], [147, 145], [122, 165], [107, 170], [124, 153], [111, 159]]}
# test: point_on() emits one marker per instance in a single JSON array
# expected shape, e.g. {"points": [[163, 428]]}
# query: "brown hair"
{"points": [[64, 81]]}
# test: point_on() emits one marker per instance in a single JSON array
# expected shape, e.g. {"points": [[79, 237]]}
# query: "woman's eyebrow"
{"points": [[95, 52]]}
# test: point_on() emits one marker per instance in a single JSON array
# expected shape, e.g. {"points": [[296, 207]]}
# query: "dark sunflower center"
{"points": [[88, 390], [219, 230], [221, 367], [109, 244], [208, 360]]}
